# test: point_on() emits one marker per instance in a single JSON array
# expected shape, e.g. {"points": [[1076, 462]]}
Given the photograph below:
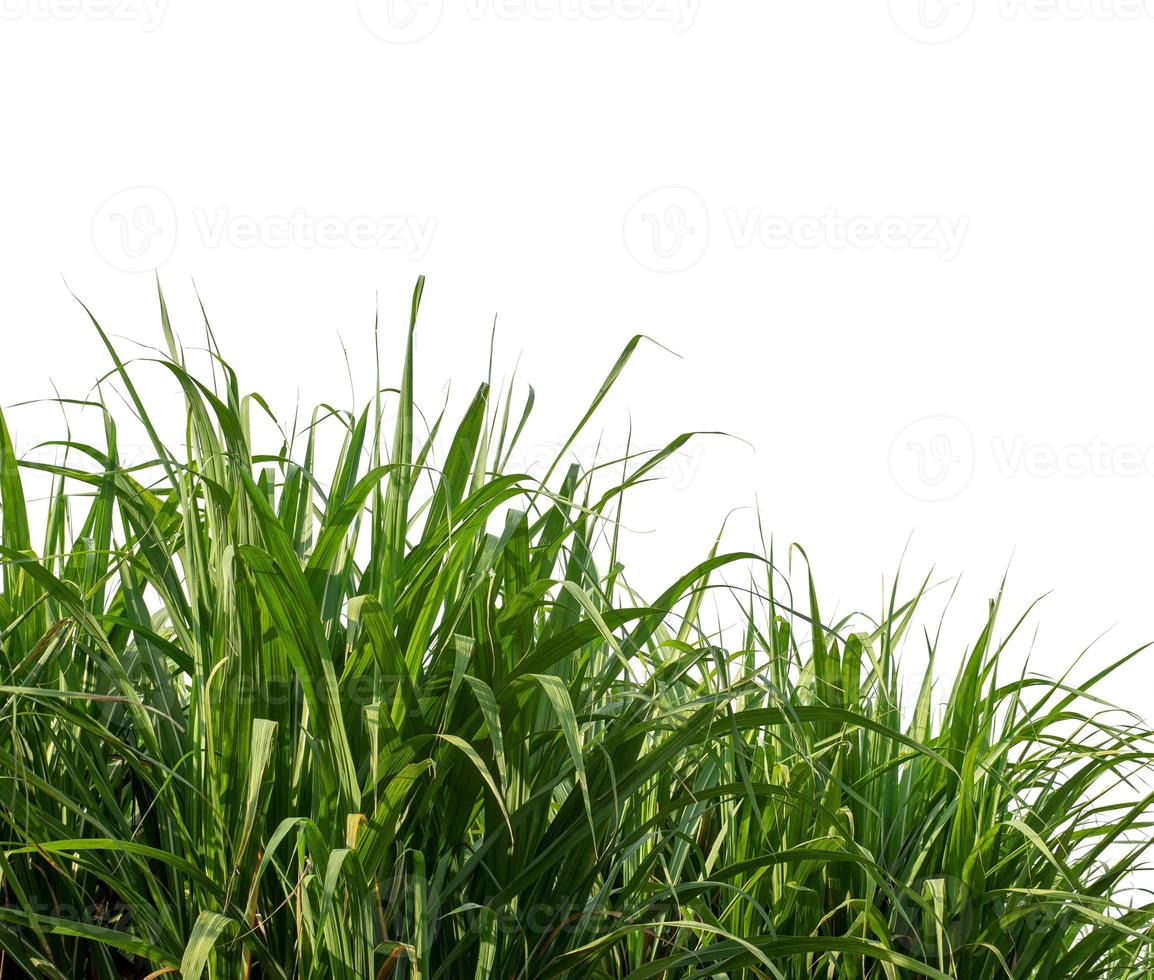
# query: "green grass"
{"points": [[403, 716]]}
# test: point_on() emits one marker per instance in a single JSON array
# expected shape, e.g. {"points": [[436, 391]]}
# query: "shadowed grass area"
{"points": [[404, 718]]}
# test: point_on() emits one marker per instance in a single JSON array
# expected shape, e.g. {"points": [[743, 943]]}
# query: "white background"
{"points": [[845, 217]]}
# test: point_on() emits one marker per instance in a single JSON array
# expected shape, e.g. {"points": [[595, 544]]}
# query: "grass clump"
{"points": [[405, 718]]}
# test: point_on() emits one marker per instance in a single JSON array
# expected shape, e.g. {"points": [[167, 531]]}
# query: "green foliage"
{"points": [[404, 718]]}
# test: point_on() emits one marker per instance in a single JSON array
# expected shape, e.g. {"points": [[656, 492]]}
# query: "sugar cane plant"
{"points": [[404, 717]]}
